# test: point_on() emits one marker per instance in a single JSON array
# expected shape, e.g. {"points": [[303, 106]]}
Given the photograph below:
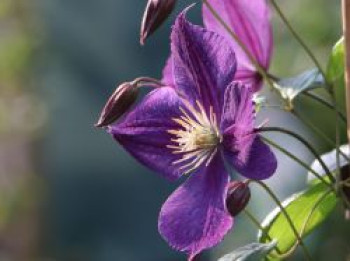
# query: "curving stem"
{"points": [[286, 215], [304, 142], [346, 31]]}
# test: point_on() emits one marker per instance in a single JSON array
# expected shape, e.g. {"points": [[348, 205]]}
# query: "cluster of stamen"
{"points": [[197, 138]]}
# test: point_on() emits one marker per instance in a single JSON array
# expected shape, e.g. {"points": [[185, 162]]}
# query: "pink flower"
{"points": [[250, 21]]}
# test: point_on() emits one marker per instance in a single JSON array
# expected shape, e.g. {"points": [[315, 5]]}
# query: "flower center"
{"points": [[197, 139]]}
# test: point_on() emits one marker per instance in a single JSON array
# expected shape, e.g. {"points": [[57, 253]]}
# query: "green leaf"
{"points": [[299, 208], [251, 252], [290, 88], [335, 68]]}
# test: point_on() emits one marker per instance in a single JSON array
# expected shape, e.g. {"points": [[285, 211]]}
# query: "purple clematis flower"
{"points": [[250, 21], [191, 128]]}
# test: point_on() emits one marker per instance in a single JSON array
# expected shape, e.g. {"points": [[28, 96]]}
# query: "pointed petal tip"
{"points": [[99, 124], [193, 257], [181, 20], [203, 63], [143, 39]]}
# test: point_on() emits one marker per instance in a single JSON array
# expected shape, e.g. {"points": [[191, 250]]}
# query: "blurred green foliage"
{"points": [[15, 54]]}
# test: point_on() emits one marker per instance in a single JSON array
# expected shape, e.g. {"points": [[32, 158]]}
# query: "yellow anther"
{"points": [[196, 138]]}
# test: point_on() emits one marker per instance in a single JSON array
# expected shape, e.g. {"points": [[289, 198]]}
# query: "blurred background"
{"points": [[68, 192]]}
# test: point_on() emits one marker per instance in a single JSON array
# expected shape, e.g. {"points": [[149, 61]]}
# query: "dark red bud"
{"points": [[120, 102], [238, 196], [156, 12]]}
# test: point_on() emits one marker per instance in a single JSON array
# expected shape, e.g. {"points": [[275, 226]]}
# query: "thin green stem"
{"points": [[257, 66], [318, 65], [146, 81], [300, 162], [318, 131], [325, 103], [285, 213], [256, 222], [307, 220], [298, 38], [318, 202], [330, 87], [337, 138], [329, 141], [304, 142]]}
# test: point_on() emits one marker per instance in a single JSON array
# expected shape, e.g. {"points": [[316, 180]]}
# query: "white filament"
{"points": [[197, 139]]}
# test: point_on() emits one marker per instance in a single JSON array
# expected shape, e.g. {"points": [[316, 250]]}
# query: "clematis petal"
{"points": [[252, 158], [238, 108], [243, 148], [203, 63], [168, 75], [249, 78], [250, 20], [195, 217], [143, 132]]}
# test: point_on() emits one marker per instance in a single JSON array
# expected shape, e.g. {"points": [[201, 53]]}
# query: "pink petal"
{"points": [[250, 20]]}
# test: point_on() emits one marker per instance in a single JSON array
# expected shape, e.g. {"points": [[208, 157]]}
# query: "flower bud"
{"points": [[155, 14], [238, 196], [120, 102]]}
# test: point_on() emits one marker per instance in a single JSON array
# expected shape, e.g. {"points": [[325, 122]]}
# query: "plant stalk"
{"points": [[306, 222], [304, 142], [299, 161], [256, 64], [318, 65], [255, 221], [346, 32], [319, 132], [325, 103], [285, 213], [298, 38]]}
